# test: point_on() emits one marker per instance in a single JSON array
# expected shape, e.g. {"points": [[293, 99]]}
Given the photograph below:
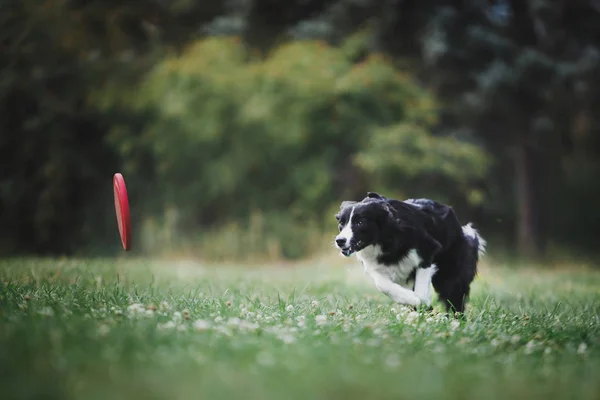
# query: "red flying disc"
{"points": [[122, 209]]}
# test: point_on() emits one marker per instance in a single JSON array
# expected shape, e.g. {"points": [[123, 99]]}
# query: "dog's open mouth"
{"points": [[347, 252], [352, 249]]}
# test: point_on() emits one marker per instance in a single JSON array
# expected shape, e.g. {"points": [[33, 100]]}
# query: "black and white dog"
{"points": [[405, 246]]}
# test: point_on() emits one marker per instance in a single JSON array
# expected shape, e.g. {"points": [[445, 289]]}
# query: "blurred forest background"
{"points": [[241, 125]]}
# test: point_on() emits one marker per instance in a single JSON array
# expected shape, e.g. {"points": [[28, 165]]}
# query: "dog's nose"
{"points": [[340, 242]]}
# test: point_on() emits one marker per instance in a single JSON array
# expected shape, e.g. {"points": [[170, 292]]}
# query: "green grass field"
{"points": [[135, 329]]}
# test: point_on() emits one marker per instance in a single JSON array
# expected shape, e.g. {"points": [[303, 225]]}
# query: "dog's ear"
{"points": [[375, 195], [386, 211], [343, 206]]}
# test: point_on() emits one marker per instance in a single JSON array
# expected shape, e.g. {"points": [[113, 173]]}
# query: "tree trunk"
{"points": [[527, 232]]}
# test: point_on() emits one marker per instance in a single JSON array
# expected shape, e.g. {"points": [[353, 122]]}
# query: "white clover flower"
{"points": [[103, 330], [392, 361], [464, 340], [300, 320], [136, 308], [164, 306], [223, 330], [496, 342], [287, 338], [202, 325], [314, 303], [177, 317], [438, 349], [454, 325], [46, 311], [167, 325], [515, 339], [289, 308], [265, 359], [530, 347], [582, 348], [547, 350], [248, 326], [321, 319], [412, 317]]}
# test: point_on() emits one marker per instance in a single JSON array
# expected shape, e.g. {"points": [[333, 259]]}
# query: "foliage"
{"points": [[137, 329], [520, 77], [310, 83], [233, 135], [56, 165]]}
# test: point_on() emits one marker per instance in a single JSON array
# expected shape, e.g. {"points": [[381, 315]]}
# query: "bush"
{"points": [[233, 137]]}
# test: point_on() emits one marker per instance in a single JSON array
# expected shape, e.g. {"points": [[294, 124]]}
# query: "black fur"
{"points": [[431, 228]]}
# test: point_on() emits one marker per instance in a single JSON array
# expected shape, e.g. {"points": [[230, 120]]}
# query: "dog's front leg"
{"points": [[396, 292], [423, 282]]}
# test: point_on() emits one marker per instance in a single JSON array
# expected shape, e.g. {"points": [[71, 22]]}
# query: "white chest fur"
{"points": [[397, 273], [392, 279]]}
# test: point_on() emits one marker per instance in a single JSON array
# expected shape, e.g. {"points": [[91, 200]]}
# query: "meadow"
{"points": [[128, 328]]}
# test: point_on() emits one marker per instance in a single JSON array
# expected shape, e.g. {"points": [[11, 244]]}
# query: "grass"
{"points": [[137, 329]]}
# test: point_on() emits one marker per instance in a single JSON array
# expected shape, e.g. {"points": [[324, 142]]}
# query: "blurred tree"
{"points": [[513, 71], [517, 74], [518, 79], [56, 167], [280, 133]]}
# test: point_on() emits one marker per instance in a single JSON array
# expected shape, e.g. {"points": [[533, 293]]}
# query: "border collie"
{"points": [[405, 246]]}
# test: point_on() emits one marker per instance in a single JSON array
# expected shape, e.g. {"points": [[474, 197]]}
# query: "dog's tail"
{"points": [[475, 239]]}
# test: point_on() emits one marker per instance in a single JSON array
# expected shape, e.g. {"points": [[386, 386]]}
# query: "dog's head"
{"points": [[361, 224]]}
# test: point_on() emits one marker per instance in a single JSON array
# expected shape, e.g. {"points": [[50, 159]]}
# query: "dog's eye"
{"points": [[360, 222], [340, 227]]}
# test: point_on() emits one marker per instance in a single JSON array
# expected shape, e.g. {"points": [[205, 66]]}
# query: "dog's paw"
{"points": [[422, 308], [427, 308], [424, 301]]}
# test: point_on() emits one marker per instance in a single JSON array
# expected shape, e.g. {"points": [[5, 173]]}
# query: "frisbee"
{"points": [[122, 210]]}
